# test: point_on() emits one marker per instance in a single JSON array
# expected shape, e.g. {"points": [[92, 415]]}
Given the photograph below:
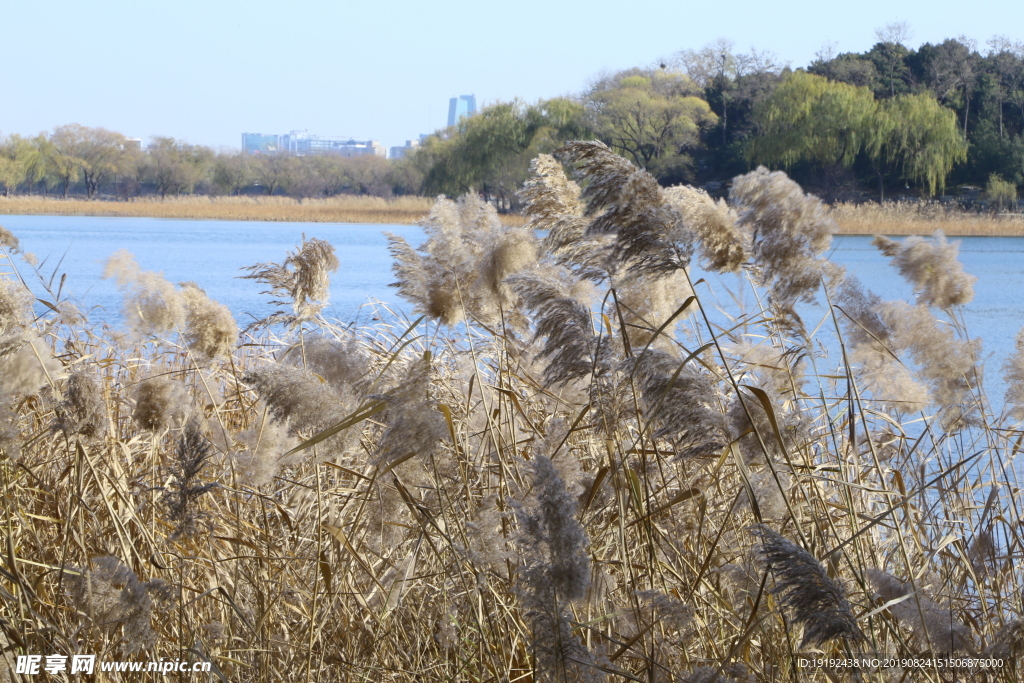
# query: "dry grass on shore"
{"points": [[346, 209], [922, 218], [890, 218]]}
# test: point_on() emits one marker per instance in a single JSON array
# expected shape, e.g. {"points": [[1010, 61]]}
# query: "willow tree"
{"points": [[811, 119], [920, 137], [490, 152], [650, 117]]}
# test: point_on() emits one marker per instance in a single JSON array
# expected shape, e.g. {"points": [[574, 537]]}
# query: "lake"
{"points": [[211, 253]]}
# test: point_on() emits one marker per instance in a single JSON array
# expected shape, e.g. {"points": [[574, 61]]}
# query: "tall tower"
{"points": [[463, 105]]}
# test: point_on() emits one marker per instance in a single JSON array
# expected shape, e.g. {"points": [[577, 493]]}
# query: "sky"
{"points": [[207, 71]]}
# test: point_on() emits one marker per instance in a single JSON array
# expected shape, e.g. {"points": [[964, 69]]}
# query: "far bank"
{"points": [[891, 218]]}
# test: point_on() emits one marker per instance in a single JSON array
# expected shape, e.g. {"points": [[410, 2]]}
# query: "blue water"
{"points": [[212, 253]]}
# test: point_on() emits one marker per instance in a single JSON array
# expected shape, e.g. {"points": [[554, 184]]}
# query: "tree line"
{"points": [[891, 120], [92, 162]]}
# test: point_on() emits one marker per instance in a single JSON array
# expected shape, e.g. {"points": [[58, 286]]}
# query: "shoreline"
{"points": [[867, 219]]}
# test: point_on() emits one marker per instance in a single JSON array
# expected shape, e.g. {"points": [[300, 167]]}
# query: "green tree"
{"points": [[811, 119], [20, 161], [651, 116], [490, 152], [920, 137], [98, 153], [176, 167]]}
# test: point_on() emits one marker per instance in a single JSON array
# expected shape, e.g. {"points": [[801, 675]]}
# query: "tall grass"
{"points": [[348, 209], [923, 218], [570, 466]]}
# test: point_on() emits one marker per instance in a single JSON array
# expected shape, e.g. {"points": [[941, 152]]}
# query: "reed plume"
{"points": [[160, 403], [266, 443], [556, 572], [299, 398], [10, 242], [802, 585], [932, 267], [151, 304], [27, 367], [723, 246], [680, 401], [462, 266], [113, 599], [934, 626], [563, 321], [210, 329], [789, 232], [181, 496], [650, 234], [83, 411], [1014, 369], [414, 425], [342, 360], [302, 282]]}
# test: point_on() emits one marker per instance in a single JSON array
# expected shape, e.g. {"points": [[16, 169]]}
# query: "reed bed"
{"points": [[572, 464], [348, 209], [923, 218]]}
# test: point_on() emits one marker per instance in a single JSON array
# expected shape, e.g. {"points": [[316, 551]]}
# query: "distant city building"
{"points": [[301, 143], [258, 143], [402, 152], [463, 105], [133, 143]]}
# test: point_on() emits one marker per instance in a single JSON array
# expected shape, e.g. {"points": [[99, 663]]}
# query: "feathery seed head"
{"points": [[724, 248], [932, 267], [82, 411], [210, 329], [181, 498], [27, 366], [789, 231], [160, 403], [151, 304], [1014, 369], [802, 585], [302, 281], [113, 598], [934, 626]]}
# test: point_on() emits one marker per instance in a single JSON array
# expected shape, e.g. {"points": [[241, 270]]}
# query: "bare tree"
{"points": [[892, 39]]}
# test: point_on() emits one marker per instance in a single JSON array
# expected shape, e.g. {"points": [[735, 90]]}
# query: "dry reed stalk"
{"points": [[924, 218], [503, 498]]}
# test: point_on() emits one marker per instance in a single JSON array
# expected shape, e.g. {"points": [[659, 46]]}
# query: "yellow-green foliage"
{"points": [[1001, 193], [576, 480]]}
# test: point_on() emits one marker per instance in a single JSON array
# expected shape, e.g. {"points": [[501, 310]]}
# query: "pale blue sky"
{"points": [[207, 71]]}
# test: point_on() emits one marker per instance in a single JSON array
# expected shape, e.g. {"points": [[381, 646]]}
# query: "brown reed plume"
{"points": [[182, 495], [723, 246], [934, 626], [113, 599], [789, 232], [302, 281], [817, 602], [650, 235], [462, 266], [932, 267], [556, 572]]}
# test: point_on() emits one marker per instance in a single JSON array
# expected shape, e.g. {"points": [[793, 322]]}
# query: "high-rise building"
{"points": [[463, 105], [402, 152], [301, 143], [258, 143]]}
